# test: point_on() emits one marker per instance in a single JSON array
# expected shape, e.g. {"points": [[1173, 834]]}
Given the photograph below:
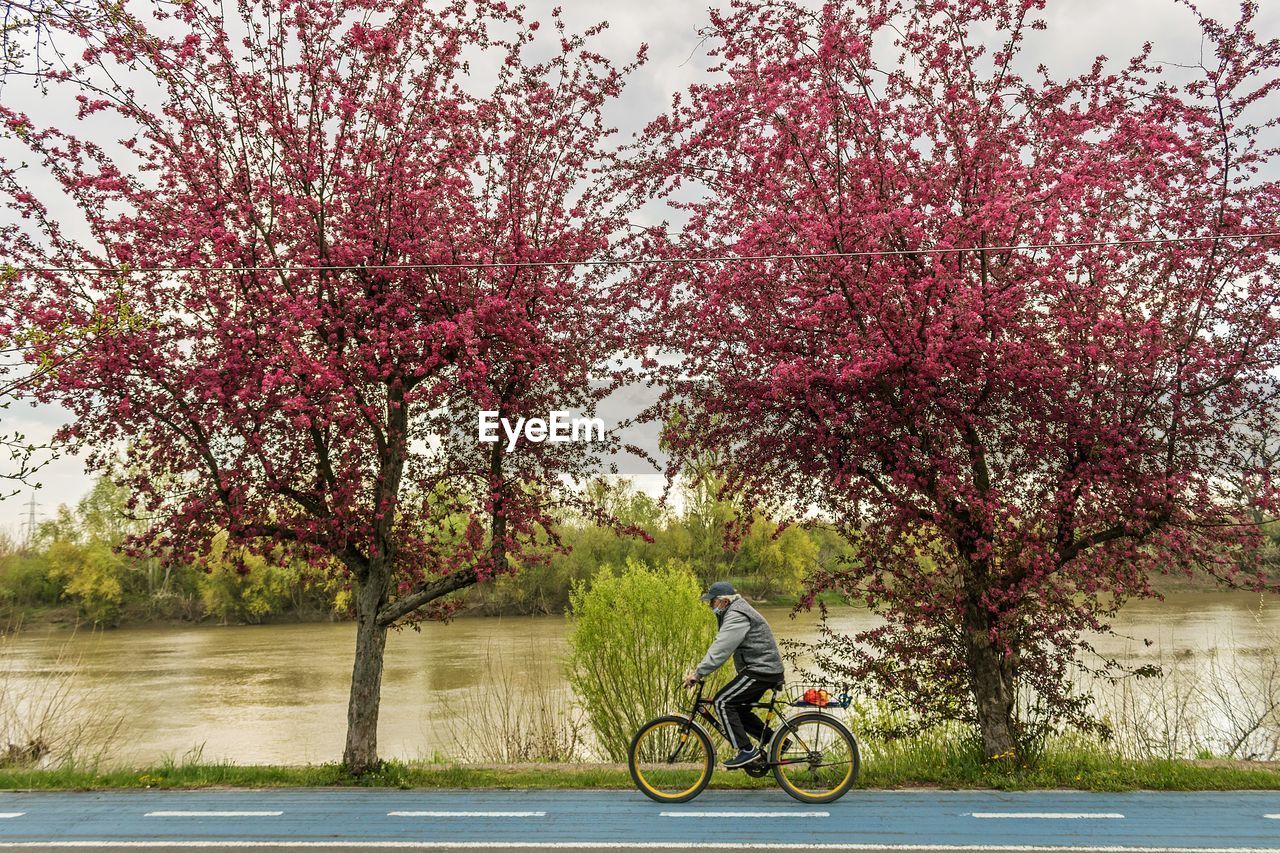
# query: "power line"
{"points": [[127, 270]]}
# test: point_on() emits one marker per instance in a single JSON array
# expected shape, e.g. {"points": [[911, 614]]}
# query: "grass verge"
{"points": [[1091, 773]]}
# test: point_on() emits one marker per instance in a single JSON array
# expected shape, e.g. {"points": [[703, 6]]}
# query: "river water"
{"points": [[277, 694]]}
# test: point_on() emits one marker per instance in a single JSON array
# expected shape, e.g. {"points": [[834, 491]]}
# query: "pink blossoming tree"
{"points": [[1014, 439], [273, 301]]}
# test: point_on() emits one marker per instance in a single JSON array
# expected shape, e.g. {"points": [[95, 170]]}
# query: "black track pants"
{"points": [[732, 703]]}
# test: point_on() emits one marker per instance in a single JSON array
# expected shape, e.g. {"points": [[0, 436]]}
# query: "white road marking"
{"points": [[745, 814], [466, 814], [627, 845], [11, 814], [213, 814], [1272, 816], [1051, 815]]}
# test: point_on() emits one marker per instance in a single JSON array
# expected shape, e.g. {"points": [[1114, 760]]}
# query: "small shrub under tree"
{"points": [[632, 636]]}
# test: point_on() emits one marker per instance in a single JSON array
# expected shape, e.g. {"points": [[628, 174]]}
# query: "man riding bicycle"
{"points": [[745, 635]]}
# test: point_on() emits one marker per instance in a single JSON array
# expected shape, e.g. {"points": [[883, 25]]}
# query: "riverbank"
{"points": [[65, 617], [477, 604], [1081, 771]]}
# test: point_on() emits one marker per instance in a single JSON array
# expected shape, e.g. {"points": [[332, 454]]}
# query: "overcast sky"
{"points": [[1078, 31]]}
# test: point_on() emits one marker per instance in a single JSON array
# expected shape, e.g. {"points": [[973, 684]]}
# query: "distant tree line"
{"points": [[717, 538], [75, 560]]}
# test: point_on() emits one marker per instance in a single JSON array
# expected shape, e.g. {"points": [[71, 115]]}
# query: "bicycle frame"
{"points": [[702, 709]]}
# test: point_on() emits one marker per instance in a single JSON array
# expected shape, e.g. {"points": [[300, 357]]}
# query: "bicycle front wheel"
{"points": [[671, 759], [814, 758]]}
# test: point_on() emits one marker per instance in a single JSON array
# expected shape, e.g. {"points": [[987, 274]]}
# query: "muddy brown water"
{"points": [[277, 694]]}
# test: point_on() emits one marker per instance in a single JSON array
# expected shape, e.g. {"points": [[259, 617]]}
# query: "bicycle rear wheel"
{"points": [[816, 759], [671, 759]]}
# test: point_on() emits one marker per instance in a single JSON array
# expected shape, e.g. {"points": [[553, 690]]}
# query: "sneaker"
{"points": [[742, 759]]}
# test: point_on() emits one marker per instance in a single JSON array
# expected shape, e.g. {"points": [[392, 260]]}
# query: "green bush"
{"points": [[776, 561], [93, 576], [632, 636], [250, 591], [25, 582]]}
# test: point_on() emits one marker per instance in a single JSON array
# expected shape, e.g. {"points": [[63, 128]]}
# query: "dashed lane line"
{"points": [[1049, 815], [11, 814], [744, 814], [465, 814], [211, 814]]}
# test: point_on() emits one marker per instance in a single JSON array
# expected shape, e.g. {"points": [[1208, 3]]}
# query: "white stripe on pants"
{"points": [[747, 681]]}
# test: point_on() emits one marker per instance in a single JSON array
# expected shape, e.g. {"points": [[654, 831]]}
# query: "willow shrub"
{"points": [[632, 635]]}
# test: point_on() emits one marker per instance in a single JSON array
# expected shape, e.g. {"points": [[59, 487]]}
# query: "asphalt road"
{"points": [[867, 821]]}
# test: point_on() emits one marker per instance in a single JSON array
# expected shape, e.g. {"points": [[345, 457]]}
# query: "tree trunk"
{"points": [[992, 685], [361, 753]]}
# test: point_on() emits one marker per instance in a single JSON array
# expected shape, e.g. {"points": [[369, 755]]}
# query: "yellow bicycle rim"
{"points": [[816, 726], [659, 740]]}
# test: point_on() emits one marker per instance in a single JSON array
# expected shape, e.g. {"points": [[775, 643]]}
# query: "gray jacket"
{"points": [[745, 635]]}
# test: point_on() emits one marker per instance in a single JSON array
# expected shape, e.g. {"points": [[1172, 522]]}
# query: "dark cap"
{"points": [[718, 589]]}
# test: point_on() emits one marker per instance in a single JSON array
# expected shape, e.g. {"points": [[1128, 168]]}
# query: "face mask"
{"points": [[718, 610]]}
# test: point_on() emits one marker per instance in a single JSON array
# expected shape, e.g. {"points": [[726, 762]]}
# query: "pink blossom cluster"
{"points": [[1014, 440], [256, 326]]}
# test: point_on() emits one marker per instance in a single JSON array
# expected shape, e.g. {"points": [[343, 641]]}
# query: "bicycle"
{"points": [[812, 755]]}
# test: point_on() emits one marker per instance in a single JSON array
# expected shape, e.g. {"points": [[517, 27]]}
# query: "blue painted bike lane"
{"points": [[901, 820]]}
